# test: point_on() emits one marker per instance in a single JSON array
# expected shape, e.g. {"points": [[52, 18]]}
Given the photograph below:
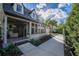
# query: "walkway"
{"points": [[52, 47]]}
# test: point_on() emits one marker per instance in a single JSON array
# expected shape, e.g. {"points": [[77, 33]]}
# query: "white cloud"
{"points": [[56, 14], [41, 13], [63, 5], [40, 5]]}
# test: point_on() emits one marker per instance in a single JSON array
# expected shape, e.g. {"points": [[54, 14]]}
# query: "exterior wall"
{"points": [[0, 21], [47, 30], [1, 17], [0, 25], [34, 28], [40, 27], [3, 25]]}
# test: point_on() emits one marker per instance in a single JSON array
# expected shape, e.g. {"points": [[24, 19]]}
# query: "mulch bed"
{"points": [[41, 40]]}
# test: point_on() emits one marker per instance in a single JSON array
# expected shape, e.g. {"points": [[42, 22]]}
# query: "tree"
{"points": [[72, 29], [60, 28], [50, 23]]}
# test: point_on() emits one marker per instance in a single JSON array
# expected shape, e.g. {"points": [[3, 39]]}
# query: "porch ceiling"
{"points": [[16, 21]]}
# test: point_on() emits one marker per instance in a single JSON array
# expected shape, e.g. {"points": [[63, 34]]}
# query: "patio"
{"points": [[52, 47]]}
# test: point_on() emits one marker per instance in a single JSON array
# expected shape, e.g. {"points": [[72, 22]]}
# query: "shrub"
{"points": [[60, 28], [36, 42], [41, 40], [11, 50], [72, 30]]}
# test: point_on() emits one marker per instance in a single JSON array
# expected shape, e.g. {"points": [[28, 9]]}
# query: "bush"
{"points": [[41, 40], [11, 50], [72, 30], [36, 42], [60, 28]]}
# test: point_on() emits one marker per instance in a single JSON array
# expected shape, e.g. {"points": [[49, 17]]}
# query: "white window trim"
{"points": [[33, 15], [15, 7]]}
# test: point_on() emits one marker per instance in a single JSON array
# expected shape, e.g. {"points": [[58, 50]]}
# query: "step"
{"points": [[19, 42]]}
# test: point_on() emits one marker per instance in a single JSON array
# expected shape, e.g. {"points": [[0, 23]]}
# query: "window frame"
{"points": [[15, 8]]}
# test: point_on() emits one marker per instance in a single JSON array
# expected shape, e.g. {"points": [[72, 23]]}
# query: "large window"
{"points": [[33, 15], [19, 8]]}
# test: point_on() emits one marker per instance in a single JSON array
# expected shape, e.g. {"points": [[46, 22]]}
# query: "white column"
{"points": [[40, 29], [34, 29], [26, 29], [30, 27], [5, 32]]}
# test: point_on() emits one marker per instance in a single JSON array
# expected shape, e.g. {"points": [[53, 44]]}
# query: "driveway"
{"points": [[52, 47]]}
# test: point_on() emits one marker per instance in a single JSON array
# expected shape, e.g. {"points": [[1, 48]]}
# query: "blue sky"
{"points": [[57, 11], [33, 5]]}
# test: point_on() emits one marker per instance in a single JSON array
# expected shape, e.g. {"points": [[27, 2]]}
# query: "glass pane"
{"points": [[19, 8]]}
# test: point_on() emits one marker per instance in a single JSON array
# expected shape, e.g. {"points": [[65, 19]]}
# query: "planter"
{"points": [[40, 40]]}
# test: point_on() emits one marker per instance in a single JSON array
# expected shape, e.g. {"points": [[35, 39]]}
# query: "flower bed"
{"points": [[41, 40]]}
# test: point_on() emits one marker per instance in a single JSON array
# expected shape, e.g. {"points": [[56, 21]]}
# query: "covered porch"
{"points": [[22, 40], [17, 29]]}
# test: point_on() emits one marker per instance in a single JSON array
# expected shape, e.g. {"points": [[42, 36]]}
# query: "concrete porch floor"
{"points": [[20, 39], [52, 47]]}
